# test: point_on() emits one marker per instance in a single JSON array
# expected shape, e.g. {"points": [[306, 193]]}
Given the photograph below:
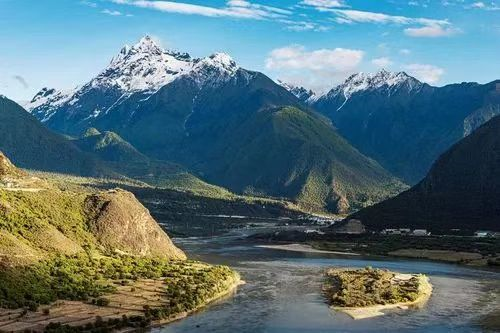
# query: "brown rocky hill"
{"points": [[38, 220], [121, 223]]}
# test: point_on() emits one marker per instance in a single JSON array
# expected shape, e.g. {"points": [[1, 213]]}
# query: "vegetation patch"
{"points": [[367, 287], [110, 286]]}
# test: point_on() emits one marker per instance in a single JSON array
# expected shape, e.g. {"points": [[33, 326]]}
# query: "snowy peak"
{"points": [[217, 68], [43, 93], [301, 93], [144, 66], [382, 79], [49, 96], [147, 67], [147, 44]]}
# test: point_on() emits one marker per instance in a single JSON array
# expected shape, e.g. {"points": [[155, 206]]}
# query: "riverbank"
{"points": [[219, 297], [130, 307], [367, 293], [303, 248]]}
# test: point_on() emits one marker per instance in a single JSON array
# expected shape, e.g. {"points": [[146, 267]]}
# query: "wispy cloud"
{"points": [[432, 31], [111, 12], [316, 69], [234, 8], [88, 3], [359, 16], [383, 62], [21, 81], [483, 5], [324, 4], [293, 25], [424, 72], [420, 27]]}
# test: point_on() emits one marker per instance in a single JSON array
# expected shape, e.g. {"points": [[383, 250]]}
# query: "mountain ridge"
{"points": [[194, 119], [462, 189], [405, 124]]}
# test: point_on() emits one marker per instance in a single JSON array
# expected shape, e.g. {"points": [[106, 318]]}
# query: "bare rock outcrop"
{"points": [[122, 224]]}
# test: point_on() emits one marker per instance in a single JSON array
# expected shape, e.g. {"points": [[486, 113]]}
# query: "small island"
{"points": [[367, 292]]}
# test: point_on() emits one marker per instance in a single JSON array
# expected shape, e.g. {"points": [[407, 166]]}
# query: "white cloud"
{"points": [[372, 17], [111, 12], [383, 62], [478, 5], [426, 73], [431, 31], [233, 8], [404, 52], [296, 57], [88, 3], [485, 6], [320, 4], [425, 27], [302, 25], [317, 69]]}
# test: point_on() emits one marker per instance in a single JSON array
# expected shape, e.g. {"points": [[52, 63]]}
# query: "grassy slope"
{"points": [[30, 145], [295, 154], [51, 249], [122, 157]]}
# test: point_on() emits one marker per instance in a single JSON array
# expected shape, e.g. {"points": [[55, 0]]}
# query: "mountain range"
{"points": [[461, 191], [402, 123], [231, 126]]}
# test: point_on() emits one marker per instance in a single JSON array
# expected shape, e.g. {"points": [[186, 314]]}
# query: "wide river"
{"points": [[283, 293]]}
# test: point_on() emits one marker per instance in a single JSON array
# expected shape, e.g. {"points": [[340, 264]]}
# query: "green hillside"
{"points": [[109, 146], [30, 145], [462, 190], [120, 156], [287, 152], [84, 245]]}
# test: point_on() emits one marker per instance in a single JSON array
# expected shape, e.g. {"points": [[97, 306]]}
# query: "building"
{"points": [[351, 226], [420, 232], [391, 232], [313, 231], [486, 233]]}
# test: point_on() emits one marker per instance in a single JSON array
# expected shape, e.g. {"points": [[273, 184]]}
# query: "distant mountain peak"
{"points": [[142, 68], [300, 92], [383, 79]]}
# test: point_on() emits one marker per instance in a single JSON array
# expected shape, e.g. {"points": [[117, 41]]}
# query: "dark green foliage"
{"points": [[366, 287], [249, 135], [462, 190], [30, 145], [407, 128], [109, 146], [304, 159], [188, 284]]}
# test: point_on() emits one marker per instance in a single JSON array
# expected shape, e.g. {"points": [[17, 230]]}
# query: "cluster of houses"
{"points": [[406, 231], [487, 234]]}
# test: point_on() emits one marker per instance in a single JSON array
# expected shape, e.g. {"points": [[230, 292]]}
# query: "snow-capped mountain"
{"points": [[301, 93], [405, 124], [388, 82], [143, 68]]}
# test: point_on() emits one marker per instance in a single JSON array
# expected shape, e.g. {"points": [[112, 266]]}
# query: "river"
{"points": [[283, 293]]}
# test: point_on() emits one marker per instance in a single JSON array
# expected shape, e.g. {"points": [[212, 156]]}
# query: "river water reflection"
{"points": [[283, 293]]}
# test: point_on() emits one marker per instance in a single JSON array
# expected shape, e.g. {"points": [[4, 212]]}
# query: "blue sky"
{"points": [[315, 43]]}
